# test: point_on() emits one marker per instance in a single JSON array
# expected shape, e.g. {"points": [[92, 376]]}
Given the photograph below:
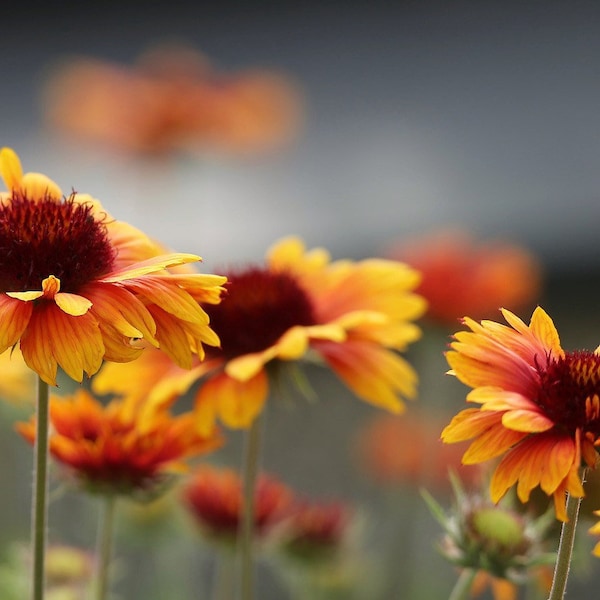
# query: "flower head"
{"points": [[173, 99], [461, 276], [504, 547], [105, 451], [78, 287], [315, 532], [539, 406], [353, 316], [213, 497]]}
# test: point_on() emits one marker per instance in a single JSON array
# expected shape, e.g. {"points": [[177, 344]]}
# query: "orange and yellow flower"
{"points": [[106, 451], [78, 287], [461, 276], [173, 99], [353, 316], [539, 406], [214, 498]]}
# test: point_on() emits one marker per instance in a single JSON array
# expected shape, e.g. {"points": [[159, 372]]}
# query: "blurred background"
{"points": [[401, 120]]}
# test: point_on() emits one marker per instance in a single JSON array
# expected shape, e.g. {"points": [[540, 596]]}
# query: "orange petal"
{"points": [[170, 297], [77, 343], [122, 309], [53, 337], [376, 375], [491, 443], [469, 423], [14, 316], [172, 337]]}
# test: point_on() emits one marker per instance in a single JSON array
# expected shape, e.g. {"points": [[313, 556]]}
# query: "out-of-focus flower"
{"points": [[462, 276], [595, 530], [173, 99], [78, 287], [503, 547], [69, 573], [68, 566], [315, 533], [103, 448], [354, 316], [213, 497], [17, 380], [407, 450], [540, 406]]}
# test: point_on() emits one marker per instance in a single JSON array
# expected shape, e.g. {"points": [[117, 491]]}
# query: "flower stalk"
{"points": [[40, 492], [250, 469], [462, 588], [104, 545], [565, 548]]}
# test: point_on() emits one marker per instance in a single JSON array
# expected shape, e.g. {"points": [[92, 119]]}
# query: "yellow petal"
{"points": [[238, 403], [543, 328], [25, 296], [151, 265], [37, 187], [72, 304], [10, 168], [527, 420], [247, 366]]}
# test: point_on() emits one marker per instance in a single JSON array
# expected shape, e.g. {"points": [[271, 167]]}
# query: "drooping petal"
{"points": [[150, 265], [72, 304], [493, 442], [237, 403], [53, 337], [373, 373], [122, 309], [14, 316]]}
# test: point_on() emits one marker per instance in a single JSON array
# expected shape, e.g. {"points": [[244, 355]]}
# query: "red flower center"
{"points": [[258, 309], [45, 237], [570, 391]]}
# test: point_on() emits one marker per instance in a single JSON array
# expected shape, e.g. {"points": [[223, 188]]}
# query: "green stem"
{"points": [[105, 542], [246, 540], [40, 492], [565, 548], [224, 570], [462, 588]]}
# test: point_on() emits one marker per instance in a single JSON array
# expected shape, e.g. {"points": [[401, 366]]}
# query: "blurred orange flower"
{"points": [[17, 380], [106, 451], [407, 449], [539, 406], [213, 497], [173, 99], [354, 316], [315, 531], [78, 287], [461, 276]]}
